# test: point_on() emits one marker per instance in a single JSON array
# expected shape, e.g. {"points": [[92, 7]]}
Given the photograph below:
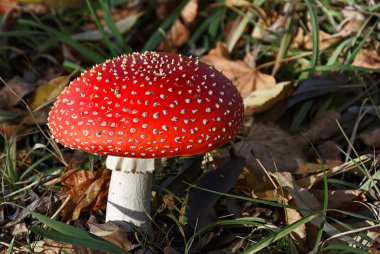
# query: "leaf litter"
{"points": [[269, 161]]}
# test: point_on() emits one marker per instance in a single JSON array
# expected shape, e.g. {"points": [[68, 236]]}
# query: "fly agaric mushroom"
{"points": [[138, 107]]}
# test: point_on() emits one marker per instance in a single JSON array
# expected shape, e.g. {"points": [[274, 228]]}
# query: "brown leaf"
{"points": [[110, 232], [371, 138], [47, 246], [87, 189], [189, 12], [367, 58], [352, 22], [275, 148], [298, 234], [8, 130], [179, 33], [6, 5], [325, 40], [352, 166], [346, 200], [18, 86], [323, 127], [245, 78], [329, 152]]}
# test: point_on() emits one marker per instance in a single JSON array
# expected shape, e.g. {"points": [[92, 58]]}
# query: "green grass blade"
{"points": [[353, 54], [280, 234], [334, 57], [112, 27], [315, 32], [253, 200], [346, 248], [241, 222], [10, 247], [343, 67], [88, 53], [157, 36], [239, 30], [78, 241], [105, 36]]}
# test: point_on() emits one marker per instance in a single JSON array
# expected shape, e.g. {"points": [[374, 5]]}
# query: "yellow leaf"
{"points": [[262, 99], [47, 92]]}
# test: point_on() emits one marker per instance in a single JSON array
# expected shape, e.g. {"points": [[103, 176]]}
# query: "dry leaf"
{"points": [[299, 234], [49, 91], [275, 148], [19, 86], [179, 34], [323, 127], [87, 189], [263, 99], [352, 165], [6, 5], [189, 12], [352, 22], [241, 74], [48, 246], [59, 4], [346, 200], [329, 153], [306, 200], [367, 58], [8, 130], [110, 232], [371, 138], [325, 40]]}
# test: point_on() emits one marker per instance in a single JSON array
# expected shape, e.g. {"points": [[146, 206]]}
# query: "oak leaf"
{"points": [[244, 77]]}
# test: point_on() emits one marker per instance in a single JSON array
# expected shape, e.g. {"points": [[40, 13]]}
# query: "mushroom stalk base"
{"points": [[129, 200]]}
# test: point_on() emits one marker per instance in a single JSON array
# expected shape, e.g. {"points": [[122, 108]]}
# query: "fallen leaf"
{"points": [[8, 130], [48, 246], [312, 88], [12, 93], [87, 190], [170, 250], [299, 234], [323, 127], [179, 34], [123, 25], [345, 200], [273, 147], [371, 138], [110, 232], [325, 40], [361, 228], [200, 212], [189, 12], [59, 4], [352, 22], [350, 166], [6, 5], [245, 78], [306, 200], [46, 93], [328, 152], [262, 99], [367, 58]]}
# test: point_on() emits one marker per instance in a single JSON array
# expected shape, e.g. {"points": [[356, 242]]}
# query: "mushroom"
{"points": [[143, 106]]}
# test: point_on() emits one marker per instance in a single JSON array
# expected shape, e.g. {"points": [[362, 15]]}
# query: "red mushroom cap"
{"points": [[147, 105]]}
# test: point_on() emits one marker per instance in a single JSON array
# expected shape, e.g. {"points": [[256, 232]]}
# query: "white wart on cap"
{"points": [[148, 105]]}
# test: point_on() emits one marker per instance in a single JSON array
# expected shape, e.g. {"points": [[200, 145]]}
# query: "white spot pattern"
{"points": [[147, 105]]}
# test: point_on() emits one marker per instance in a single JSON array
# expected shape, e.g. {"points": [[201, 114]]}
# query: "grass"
{"points": [[31, 163]]}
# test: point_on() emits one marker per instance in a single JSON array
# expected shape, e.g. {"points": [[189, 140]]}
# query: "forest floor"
{"points": [[302, 175]]}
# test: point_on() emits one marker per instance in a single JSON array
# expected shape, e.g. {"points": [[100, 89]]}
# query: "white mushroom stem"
{"points": [[129, 193]]}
